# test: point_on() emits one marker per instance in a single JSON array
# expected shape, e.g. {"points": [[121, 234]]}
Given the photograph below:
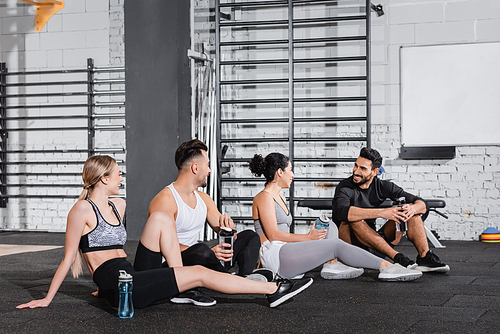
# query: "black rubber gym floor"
{"points": [[465, 300]]}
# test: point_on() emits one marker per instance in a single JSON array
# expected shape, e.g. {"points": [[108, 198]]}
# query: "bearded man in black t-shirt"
{"points": [[356, 206]]}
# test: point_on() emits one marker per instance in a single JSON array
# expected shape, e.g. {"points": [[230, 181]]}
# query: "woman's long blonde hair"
{"points": [[95, 168]]}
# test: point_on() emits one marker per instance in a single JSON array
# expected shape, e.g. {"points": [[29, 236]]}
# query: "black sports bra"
{"points": [[104, 235]]}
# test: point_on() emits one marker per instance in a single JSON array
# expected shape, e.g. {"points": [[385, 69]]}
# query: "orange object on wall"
{"points": [[45, 9]]}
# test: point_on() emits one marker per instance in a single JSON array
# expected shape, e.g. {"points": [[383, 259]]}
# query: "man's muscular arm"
{"points": [[164, 201], [214, 217], [392, 213], [216, 220]]}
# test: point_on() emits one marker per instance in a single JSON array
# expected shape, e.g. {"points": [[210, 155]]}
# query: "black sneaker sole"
{"points": [[426, 269], [291, 294]]}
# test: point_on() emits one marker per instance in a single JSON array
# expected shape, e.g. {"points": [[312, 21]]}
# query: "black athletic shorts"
{"points": [[149, 286]]}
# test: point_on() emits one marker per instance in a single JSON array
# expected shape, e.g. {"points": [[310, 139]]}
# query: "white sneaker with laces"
{"points": [[396, 272], [338, 270], [262, 275]]}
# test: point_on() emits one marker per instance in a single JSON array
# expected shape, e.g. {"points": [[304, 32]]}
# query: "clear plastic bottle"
{"points": [[402, 224], [226, 235], [125, 285], [323, 222]]}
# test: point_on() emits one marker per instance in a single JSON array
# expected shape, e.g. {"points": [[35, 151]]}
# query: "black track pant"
{"points": [[246, 254]]}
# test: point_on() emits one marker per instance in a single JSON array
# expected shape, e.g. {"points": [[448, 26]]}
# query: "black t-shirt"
{"points": [[349, 194]]}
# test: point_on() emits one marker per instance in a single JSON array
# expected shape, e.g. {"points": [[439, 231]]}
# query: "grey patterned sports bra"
{"points": [[283, 219], [104, 235]]}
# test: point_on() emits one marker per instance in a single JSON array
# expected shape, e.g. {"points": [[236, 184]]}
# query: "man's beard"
{"points": [[363, 180], [203, 183]]}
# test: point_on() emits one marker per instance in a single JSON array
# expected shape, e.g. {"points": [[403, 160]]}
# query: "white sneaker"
{"points": [[261, 275], [338, 270], [299, 276], [397, 272]]}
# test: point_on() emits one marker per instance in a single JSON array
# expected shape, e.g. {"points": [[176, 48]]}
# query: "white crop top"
{"points": [[189, 221]]}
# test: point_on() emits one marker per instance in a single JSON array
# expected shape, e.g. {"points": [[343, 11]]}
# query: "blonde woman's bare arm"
{"points": [[74, 230]]}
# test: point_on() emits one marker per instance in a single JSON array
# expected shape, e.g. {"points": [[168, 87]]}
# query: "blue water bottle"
{"points": [[125, 285], [323, 222]]}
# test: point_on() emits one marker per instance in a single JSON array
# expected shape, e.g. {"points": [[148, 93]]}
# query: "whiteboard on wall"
{"points": [[450, 95]]}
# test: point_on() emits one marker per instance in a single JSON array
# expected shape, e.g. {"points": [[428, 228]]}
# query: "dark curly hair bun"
{"points": [[257, 165], [269, 165]]}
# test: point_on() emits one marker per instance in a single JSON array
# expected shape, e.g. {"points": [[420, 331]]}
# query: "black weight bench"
{"points": [[432, 205]]}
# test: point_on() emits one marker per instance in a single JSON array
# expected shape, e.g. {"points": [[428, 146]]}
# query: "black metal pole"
{"points": [[368, 74], [291, 87], [217, 104], [90, 106], [3, 135]]}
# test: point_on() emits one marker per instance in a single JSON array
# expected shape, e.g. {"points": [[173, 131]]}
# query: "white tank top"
{"points": [[189, 221]]}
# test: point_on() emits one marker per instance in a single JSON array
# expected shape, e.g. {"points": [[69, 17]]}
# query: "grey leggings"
{"points": [[299, 257]]}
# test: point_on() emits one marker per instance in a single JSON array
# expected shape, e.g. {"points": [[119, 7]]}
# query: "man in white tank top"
{"points": [[190, 208]]}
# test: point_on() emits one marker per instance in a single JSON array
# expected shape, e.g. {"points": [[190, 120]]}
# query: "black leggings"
{"points": [[149, 286], [245, 254]]}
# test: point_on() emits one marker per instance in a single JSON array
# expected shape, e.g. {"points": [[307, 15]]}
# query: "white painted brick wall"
{"points": [[82, 29], [416, 13], [468, 183]]}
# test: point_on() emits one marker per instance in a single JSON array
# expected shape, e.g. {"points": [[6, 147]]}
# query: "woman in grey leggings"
{"points": [[289, 254]]}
